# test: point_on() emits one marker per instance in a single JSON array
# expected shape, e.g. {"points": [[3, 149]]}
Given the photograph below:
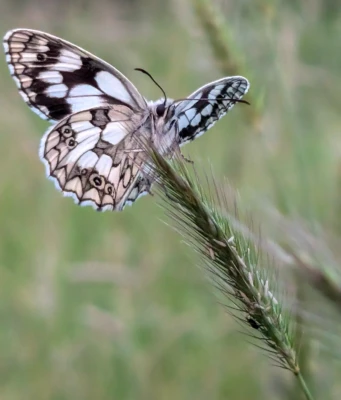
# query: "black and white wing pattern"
{"points": [[57, 78], [93, 153], [204, 107], [93, 157]]}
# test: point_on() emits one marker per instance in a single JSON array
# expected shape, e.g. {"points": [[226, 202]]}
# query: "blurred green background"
{"points": [[112, 305]]}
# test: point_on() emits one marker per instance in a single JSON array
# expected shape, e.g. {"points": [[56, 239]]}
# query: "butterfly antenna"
{"points": [[148, 74], [213, 100]]}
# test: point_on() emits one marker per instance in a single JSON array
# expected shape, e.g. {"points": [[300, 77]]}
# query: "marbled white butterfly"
{"points": [[92, 152]]}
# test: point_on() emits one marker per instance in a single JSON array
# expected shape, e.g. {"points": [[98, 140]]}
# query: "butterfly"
{"points": [[92, 152]]}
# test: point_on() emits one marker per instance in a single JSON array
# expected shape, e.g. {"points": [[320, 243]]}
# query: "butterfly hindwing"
{"points": [[57, 78], [91, 156], [207, 105]]}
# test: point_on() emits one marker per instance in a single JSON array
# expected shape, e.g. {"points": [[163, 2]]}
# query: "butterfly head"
{"points": [[161, 109]]}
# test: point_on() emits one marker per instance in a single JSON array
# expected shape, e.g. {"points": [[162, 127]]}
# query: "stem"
{"points": [[304, 387]]}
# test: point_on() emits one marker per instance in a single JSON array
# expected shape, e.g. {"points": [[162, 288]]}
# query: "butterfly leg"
{"points": [[149, 191], [177, 150], [188, 160]]}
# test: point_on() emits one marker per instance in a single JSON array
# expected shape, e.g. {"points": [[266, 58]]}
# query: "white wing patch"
{"points": [[58, 91], [90, 157], [50, 77], [112, 86], [113, 132]]}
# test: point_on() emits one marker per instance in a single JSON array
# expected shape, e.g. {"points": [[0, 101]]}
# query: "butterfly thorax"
{"points": [[163, 125]]}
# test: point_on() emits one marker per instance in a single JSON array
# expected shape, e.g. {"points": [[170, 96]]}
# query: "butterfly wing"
{"points": [[93, 156], [207, 105], [57, 78]]}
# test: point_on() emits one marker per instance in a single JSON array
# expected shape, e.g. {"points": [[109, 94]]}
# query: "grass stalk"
{"points": [[303, 343], [231, 260], [325, 281], [307, 248], [304, 387]]}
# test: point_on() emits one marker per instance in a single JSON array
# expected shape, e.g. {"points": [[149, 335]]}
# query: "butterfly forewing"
{"points": [[91, 157], [57, 78], [204, 107]]}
